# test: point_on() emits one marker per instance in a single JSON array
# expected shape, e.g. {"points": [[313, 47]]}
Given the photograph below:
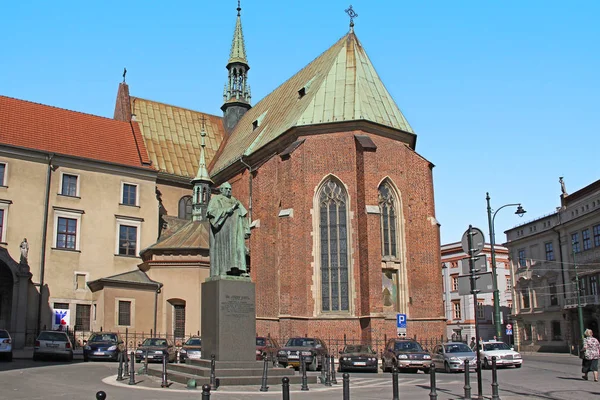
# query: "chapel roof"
{"points": [[51, 129], [173, 135], [135, 277], [339, 85], [183, 235]]}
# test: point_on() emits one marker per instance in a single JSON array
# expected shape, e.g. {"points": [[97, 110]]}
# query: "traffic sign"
{"points": [[477, 241], [508, 332], [401, 321], [483, 283], [509, 326], [480, 265]]}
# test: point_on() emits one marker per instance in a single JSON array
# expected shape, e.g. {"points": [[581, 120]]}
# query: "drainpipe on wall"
{"points": [[158, 287], [44, 234], [249, 189]]}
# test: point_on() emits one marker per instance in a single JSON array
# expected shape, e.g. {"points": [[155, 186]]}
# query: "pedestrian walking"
{"points": [[591, 349], [473, 345]]}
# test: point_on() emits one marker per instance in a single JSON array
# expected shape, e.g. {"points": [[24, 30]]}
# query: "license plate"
{"points": [[360, 363], [416, 363], [51, 345], [98, 353], [150, 356], [194, 356], [293, 357]]}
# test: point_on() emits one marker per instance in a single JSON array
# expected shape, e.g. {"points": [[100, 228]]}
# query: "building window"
{"points": [[66, 233], [61, 306], [525, 297], [2, 174], [387, 207], [127, 240], [594, 284], [390, 290], [455, 283], [456, 314], [179, 328], [480, 310], [553, 294], [82, 317], [129, 194], [124, 313], [597, 235], [587, 240], [2, 225], [185, 207], [509, 305], [522, 260], [334, 248], [556, 334], [575, 242], [540, 329], [508, 283], [69, 185], [549, 251], [527, 332], [80, 281]]}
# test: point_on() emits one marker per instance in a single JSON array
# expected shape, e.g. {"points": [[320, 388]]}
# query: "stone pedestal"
{"points": [[228, 319]]}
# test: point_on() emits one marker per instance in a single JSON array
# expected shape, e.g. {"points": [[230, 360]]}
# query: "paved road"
{"points": [[551, 377]]}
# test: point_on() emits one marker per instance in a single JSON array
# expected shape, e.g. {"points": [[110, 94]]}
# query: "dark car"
{"points": [[103, 346], [191, 349], [310, 348], [266, 346], [358, 357], [155, 349], [407, 355]]}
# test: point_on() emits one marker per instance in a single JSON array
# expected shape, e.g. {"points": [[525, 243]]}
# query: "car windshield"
{"points": [[357, 348], [54, 336], [154, 342], [457, 348], [193, 342], [407, 347], [3, 334], [261, 341], [104, 337], [301, 342], [495, 346]]}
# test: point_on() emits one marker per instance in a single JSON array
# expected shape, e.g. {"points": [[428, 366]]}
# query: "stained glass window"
{"points": [[388, 221]]}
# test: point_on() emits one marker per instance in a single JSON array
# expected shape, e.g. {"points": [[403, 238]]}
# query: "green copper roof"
{"points": [[238, 48]]}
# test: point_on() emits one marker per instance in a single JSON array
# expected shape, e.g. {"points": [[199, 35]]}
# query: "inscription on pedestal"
{"points": [[237, 306]]}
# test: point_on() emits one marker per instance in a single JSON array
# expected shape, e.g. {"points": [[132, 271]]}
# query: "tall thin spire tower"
{"points": [[201, 183]]}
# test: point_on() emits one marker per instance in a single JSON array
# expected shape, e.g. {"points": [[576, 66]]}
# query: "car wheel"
{"points": [[36, 357], [518, 365], [70, 357], [314, 365], [486, 364], [426, 371], [10, 356], [447, 368], [85, 358]]}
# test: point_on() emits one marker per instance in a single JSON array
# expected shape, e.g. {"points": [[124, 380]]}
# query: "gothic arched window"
{"points": [[387, 206], [185, 207], [333, 231]]}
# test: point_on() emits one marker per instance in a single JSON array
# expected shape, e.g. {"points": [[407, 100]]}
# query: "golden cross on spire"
{"points": [[352, 15]]}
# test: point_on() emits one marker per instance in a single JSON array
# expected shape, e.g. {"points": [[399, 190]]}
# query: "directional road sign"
{"points": [[477, 242], [483, 283], [480, 264]]}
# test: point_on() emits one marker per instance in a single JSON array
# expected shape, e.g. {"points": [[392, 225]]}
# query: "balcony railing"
{"points": [[590, 299]]}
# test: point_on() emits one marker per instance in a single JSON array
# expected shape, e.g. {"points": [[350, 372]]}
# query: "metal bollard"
{"points": [[206, 392], [346, 386], [332, 369], [213, 379], [322, 378], [285, 388], [495, 395], [467, 386], [101, 395], [433, 394], [263, 386], [325, 366], [479, 384], [125, 362], [164, 383], [146, 363], [132, 369], [395, 394], [120, 369], [304, 377]]}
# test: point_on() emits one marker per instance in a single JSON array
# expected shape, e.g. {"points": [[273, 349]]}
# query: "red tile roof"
{"points": [[56, 130]]}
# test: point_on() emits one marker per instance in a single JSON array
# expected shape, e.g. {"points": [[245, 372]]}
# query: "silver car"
{"points": [[53, 344], [5, 345], [451, 356]]}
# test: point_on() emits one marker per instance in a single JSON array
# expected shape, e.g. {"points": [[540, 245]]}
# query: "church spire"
{"points": [[236, 96], [201, 182]]}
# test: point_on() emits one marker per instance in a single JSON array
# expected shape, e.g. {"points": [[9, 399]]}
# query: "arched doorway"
{"points": [[6, 295]]}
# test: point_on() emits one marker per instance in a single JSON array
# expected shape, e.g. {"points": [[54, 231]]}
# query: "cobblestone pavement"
{"points": [[542, 377]]}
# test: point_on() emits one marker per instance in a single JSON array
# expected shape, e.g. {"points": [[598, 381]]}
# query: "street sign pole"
{"points": [[472, 253]]}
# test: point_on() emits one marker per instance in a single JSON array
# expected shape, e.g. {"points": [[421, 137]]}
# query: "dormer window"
{"points": [[301, 93], [255, 124]]}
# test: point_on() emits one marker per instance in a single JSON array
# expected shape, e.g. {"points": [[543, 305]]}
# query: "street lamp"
{"points": [[577, 288], [520, 211]]}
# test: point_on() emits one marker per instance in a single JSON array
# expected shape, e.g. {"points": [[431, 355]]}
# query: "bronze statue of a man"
{"points": [[229, 230]]}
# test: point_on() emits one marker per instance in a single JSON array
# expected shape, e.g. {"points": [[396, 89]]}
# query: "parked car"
{"points": [[5, 345], [358, 357], [505, 355], [310, 348], [451, 356], [156, 349], [406, 355], [53, 344], [266, 346], [103, 346], [191, 349]]}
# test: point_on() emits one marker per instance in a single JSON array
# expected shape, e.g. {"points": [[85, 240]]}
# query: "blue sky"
{"points": [[504, 95]]}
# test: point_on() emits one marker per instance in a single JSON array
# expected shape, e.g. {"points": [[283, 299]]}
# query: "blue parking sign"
{"points": [[401, 321], [509, 332]]}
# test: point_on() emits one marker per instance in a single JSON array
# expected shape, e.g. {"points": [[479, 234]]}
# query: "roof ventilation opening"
{"points": [[258, 121], [301, 93], [255, 124]]}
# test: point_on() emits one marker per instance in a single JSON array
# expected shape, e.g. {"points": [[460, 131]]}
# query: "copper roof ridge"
{"points": [[172, 105]]}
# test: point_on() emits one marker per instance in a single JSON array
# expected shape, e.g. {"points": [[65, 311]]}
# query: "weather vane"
{"points": [[124, 73], [352, 15]]}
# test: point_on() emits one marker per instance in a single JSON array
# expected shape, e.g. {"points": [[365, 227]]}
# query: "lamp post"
{"points": [[579, 307], [520, 211]]}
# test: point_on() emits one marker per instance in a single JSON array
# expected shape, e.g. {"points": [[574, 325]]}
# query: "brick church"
{"points": [[341, 207]]}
